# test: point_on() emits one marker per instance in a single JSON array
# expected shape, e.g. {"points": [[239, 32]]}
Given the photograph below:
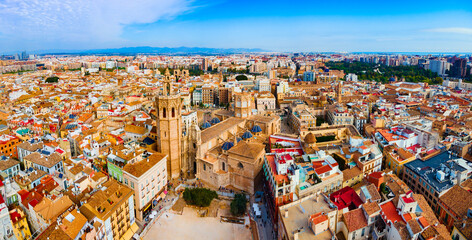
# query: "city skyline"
{"points": [[365, 26]]}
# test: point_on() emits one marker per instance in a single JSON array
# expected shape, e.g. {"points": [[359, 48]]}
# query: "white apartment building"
{"points": [[148, 179]]}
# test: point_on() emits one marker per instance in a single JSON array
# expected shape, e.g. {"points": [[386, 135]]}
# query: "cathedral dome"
{"points": [[310, 138], [215, 120], [247, 135], [206, 125], [256, 129]]}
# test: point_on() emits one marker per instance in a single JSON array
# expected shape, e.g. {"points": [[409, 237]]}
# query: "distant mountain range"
{"points": [[153, 50]]}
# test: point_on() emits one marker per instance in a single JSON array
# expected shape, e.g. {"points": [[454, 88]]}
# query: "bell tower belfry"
{"points": [[169, 130]]}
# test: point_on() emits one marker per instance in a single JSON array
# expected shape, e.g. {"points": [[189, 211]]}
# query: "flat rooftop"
{"points": [[298, 214], [428, 169]]}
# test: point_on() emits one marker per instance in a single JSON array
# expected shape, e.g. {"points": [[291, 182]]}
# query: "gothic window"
{"points": [[240, 165], [223, 166], [164, 112], [173, 112]]}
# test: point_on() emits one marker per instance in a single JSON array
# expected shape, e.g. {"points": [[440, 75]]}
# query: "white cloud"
{"points": [[456, 30], [81, 20]]}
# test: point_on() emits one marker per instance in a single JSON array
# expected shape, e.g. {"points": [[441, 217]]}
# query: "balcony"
{"points": [[380, 230]]}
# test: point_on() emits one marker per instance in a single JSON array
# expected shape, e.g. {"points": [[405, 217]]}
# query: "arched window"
{"points": [[164, 114], [173, 112], [223, 166], [240, 165]]}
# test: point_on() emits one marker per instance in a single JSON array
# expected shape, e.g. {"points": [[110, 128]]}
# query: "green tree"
{"points": [[325, 138], [241, 77], [239, 204], [200, 197], [383, 188], [438, 80], [52, 79], [382, 73], [195, 72]]}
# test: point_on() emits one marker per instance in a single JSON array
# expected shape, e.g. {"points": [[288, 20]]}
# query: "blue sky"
{"points": [[336, 25]]}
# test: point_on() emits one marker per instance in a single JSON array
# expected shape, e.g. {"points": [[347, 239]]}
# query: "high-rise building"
{"points": [[459, 68], [24, 55], [438, 66], [308, 76], [208, 94], [169, 129], [223, 95], [272, 74], [204, 64]]}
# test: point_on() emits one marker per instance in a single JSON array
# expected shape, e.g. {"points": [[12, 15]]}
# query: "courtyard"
{"points": [[190, 226]]}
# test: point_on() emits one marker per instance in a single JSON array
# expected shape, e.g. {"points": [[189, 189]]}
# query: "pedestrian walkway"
{"points": [[160, 208]]}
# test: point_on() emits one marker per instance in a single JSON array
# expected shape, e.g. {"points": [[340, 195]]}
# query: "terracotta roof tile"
{"points": [[458, 200], [355, 219]]}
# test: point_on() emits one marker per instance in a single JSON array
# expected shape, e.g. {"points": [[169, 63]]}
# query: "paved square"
{"points": [[190, 226]]}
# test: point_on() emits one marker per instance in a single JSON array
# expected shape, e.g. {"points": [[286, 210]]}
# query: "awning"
{"points": [[134, 227], [128, 234], [146, 208]]}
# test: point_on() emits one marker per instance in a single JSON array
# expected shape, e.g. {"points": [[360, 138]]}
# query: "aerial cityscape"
{"points": [[178, 119]]}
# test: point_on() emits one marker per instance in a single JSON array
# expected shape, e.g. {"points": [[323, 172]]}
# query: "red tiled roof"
{"points": [[318, 218], [15, 216], [323, 169], [390, 212], [273, 168], [346, 197], [376, 175], [23, 194], [34, 203], [407, 199], [424, 223], [407, 217], [32, 198], [355, 220]]}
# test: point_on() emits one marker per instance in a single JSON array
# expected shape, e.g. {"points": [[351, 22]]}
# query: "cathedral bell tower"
{"points": [[169, 129]]}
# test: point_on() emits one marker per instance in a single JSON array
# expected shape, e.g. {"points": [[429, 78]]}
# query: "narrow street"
{"points": [[264, 224]]}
